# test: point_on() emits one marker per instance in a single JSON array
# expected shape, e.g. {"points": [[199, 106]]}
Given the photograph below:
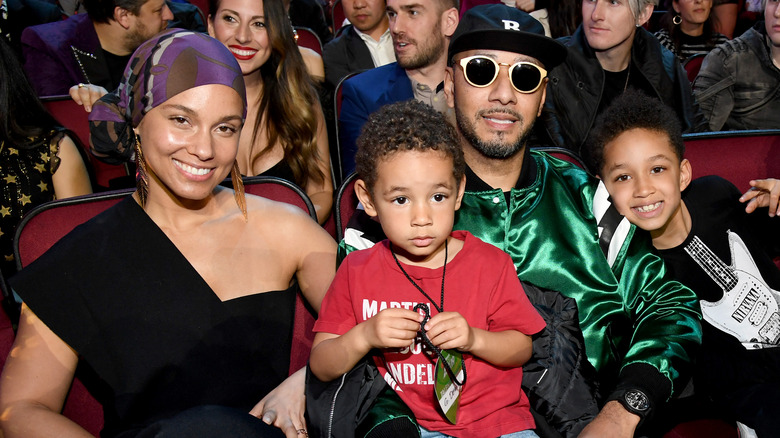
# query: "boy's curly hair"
{"points": [[407, 126], [628, 111]]}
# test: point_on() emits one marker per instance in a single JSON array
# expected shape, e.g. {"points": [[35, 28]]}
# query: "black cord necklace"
{"points": [[440, 307], [427, 313]]}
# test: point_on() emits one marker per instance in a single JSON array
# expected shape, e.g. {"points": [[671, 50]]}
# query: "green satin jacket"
{"points": [[631, 314]]}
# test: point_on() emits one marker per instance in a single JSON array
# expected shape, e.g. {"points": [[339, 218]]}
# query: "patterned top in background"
{"points": [[25, 182], [689, 45]]}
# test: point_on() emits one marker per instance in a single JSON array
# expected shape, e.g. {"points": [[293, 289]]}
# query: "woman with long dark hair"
{"points": [[285, 132]]}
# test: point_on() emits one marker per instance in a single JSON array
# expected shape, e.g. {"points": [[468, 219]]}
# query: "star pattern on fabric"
{"points": [[9, 258], [13, 151], [25, 199], [10, 179], [5, 211], [44, 157], [40, 167], [43, 186]]}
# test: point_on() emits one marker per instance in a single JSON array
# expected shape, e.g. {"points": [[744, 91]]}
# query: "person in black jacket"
{"points": [[609, 53]]}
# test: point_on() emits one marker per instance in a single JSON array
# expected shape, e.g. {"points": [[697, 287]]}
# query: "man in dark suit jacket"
{"points": [[94, 48], [349, 52], [421, 30]]}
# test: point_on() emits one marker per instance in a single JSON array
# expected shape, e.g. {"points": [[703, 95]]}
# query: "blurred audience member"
{"points": [[687, 29], [92, 48], [725, 14], [738, 83], [363, 45], [17, 15], [563, 17], [608, 54], [309, 13]]}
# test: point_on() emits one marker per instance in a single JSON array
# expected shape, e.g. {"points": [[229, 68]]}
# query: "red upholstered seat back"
{"points": [[73, 117], [337, 16], [346, 204], [737, 156], [692, 65], [307, 38]]}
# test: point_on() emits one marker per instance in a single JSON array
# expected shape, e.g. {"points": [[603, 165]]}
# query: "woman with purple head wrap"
{"points": [[185, 328]]}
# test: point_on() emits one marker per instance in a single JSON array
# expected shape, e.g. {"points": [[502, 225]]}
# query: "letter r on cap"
{"points": [[511, 25]]}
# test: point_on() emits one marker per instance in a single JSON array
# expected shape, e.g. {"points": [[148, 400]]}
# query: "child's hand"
{"points": [[448, 330], [392, 328], [763, 193]]}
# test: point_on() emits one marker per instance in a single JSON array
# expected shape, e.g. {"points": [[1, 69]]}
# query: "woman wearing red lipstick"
{"points": [[688, 29], [287, 135]]}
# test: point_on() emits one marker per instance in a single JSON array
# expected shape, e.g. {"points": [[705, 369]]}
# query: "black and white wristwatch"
{"points": [[635, 401]]}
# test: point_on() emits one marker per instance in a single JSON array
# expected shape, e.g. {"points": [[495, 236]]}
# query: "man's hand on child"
{"points": [[763, 193], [450, 330], [392, 328]]}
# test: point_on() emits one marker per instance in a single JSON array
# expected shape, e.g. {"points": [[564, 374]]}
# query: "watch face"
{"points": [[637, 400]]}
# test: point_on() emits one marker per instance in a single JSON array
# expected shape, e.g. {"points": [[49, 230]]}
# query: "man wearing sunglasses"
{"points": [[553, 220], [605, 292]]}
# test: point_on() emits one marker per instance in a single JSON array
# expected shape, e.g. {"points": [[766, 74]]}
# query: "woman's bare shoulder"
{"points": [[281, 215]]}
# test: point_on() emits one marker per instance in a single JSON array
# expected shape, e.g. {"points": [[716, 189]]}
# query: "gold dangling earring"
{"points": [[677, 19], [141, 174], [238, 189]]}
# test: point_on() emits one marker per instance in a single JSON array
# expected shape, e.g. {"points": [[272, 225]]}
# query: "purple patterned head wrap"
{"points": [[164, 66]]}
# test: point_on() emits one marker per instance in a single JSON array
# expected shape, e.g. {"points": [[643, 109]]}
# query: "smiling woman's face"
{"points": [[241, 26], [190, 141]]}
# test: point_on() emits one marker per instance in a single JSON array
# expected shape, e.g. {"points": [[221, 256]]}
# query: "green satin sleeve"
{"points": [[666, 315]]}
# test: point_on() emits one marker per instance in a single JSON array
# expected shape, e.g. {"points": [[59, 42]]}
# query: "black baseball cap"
{"points": [[500, 27]]}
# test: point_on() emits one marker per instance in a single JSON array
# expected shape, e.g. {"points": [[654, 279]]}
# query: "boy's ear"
{"points": [[361, 190], [686, 174], [461, 189]]}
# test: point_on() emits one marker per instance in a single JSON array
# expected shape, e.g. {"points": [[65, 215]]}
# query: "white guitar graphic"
{"points": [[749, 308]]}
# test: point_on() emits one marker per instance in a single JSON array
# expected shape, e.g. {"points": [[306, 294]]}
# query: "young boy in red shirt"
{"points": [[412, 180]]}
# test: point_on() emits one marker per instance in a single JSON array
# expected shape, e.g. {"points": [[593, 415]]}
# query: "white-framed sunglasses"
{"points": [[481, 71]]}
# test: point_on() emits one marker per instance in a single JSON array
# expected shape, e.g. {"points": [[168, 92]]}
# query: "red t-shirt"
{"points": [[481, 284]]}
